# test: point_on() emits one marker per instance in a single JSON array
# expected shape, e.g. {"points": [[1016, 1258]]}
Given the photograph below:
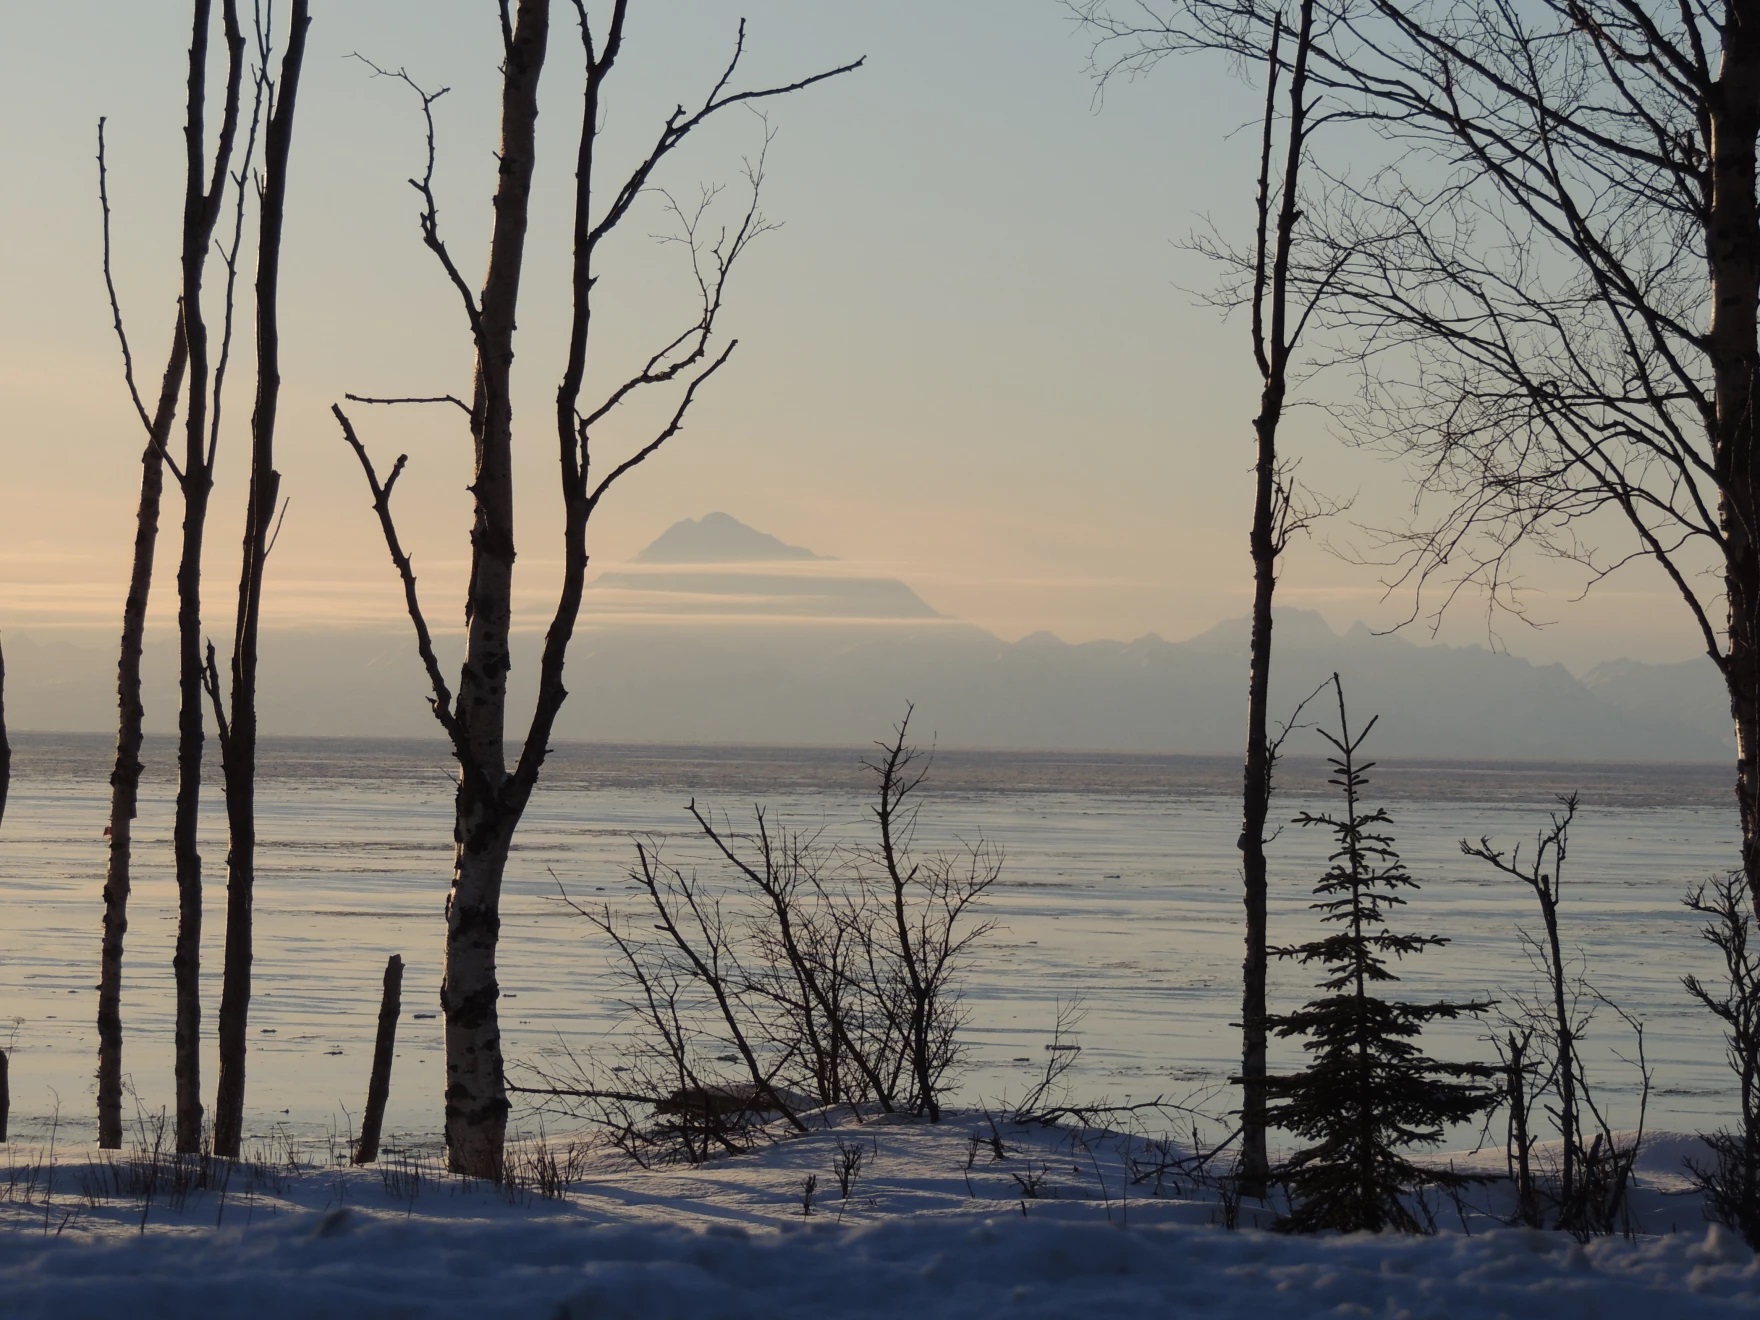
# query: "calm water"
{"points": [[1121, 885]]}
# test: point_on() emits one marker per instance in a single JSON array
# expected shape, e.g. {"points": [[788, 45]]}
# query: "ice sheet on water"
{"points": [[1121, 884]]}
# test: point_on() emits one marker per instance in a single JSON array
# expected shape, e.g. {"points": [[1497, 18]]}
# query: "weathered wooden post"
{"points": [[379, 1088]]}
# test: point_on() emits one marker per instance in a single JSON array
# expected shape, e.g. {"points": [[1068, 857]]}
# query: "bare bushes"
{"points": [[1731, 1183], [800, 973], [1540, 1048]]}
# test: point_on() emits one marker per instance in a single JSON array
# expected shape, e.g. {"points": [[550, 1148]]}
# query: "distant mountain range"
{"points": [[718, 633]]}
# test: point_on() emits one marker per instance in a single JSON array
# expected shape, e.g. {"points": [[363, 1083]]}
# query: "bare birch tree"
{"points": [[204, 192], [492, 795], [125, 776], [237, 727], [206, 376]]}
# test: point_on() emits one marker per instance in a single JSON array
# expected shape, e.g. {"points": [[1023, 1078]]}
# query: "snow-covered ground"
{"points": [[936, 1224]]}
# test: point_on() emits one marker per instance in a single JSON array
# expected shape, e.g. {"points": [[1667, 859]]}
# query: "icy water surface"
{"points": [[1121, 885]]}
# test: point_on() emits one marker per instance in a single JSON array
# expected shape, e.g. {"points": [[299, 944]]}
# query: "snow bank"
{"points": [[935, 1227], [349, 1263]]}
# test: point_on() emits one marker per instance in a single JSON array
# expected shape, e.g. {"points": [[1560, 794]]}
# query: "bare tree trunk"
{"points": [[5, 743], [476, 1094], [200, 208], [1255, 1160], [125, 777], [1272, 342], [239, 745], [384, 1050], [1733, 252], [1256, 789]]}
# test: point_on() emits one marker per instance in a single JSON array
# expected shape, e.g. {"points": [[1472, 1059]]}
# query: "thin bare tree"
{"points": [[204, 192], [206, 376], [5, 743], [1275, 516], [492, 795], [237, 727], [1557, 1024], [125, 776], [1261, 278]]}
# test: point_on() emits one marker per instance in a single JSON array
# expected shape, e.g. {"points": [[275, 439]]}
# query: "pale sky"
{"points": [[967, 359]]}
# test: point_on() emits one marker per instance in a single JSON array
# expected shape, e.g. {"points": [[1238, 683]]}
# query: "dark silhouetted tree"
{"points": [[1276, 326], [1550, 289], [5, 744], [1368, 1093], [125, 776], [1731, 1182], [206, 179], [1550, 292], [237, 723], [1260, 278]]}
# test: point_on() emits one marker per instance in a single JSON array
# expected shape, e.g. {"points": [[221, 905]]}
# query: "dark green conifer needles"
{"points": [[1369, 1093]]}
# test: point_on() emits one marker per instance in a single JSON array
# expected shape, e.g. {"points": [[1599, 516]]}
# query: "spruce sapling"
{"points": [[1368, 1092]]}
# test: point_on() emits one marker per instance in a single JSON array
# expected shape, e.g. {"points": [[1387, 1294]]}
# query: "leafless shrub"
{"points": [[802, 974], [25, 1178], [1031, 1179], [538, 1165], [1157, 1164], [1167, 1168], [1515, 1054], [1542, 1064], [403, 1176], [991, 1142], [1731, 1183], [1227, 1187], [1050, 1089], [851, 1156]]}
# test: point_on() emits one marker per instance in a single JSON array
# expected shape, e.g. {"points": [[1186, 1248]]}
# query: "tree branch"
{"points": [[440, 700]]}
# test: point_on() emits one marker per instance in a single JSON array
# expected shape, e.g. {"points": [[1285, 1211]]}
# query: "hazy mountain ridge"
{"points": [[818, 684], [813, 672], [1688, 692], [717, 538]]}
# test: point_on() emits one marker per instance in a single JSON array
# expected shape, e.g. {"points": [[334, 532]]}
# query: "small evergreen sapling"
{"points": [[1368, 1093]]}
